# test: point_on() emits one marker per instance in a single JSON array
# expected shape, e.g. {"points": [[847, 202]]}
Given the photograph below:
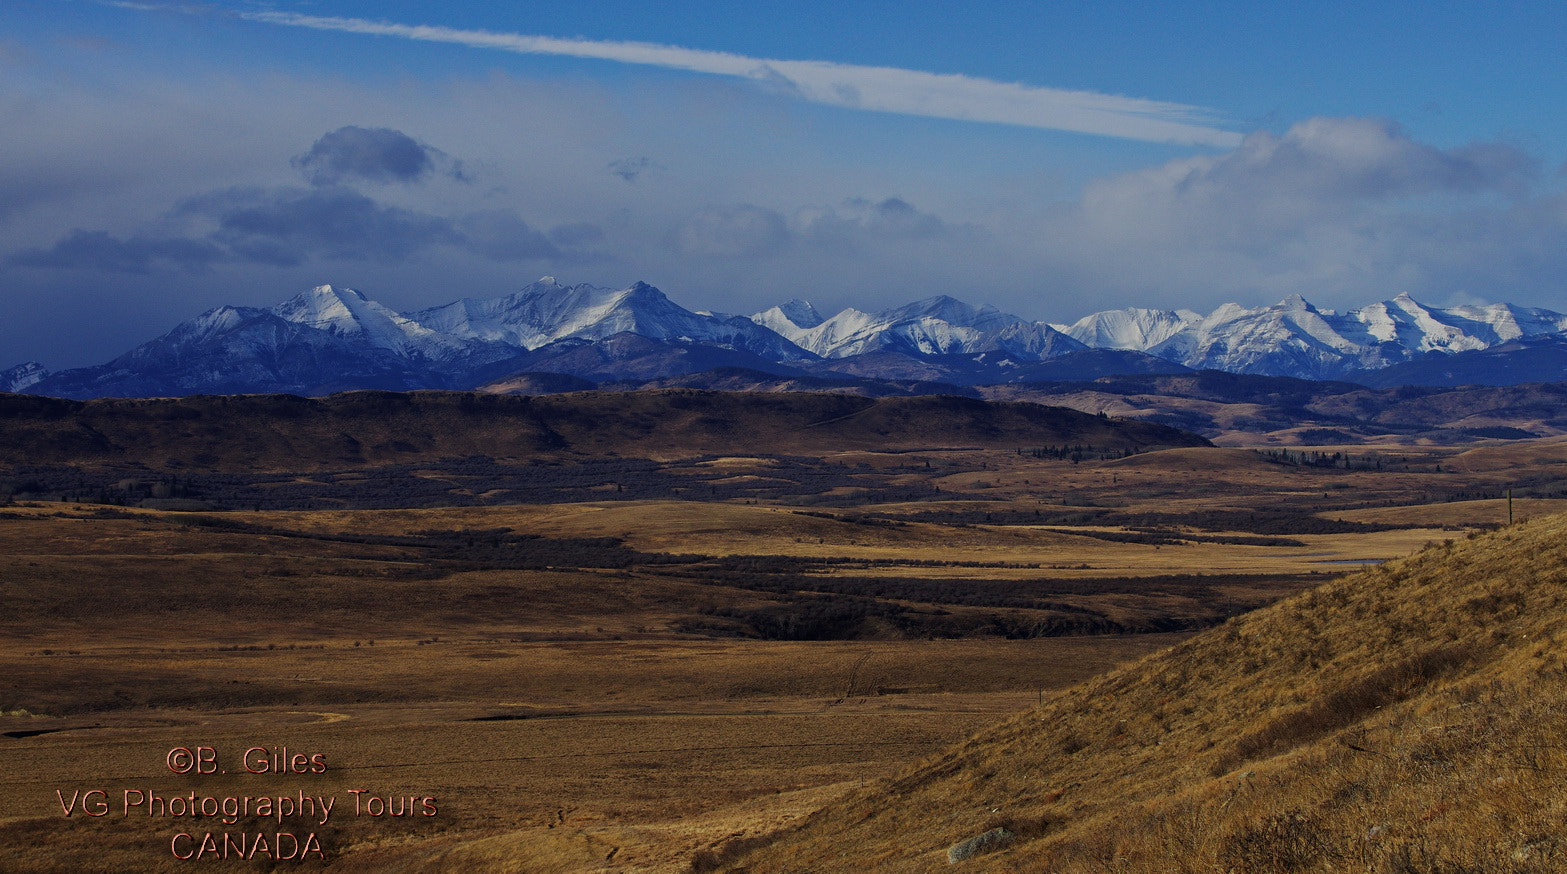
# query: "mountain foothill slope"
{"points": [[283, 432], [1244, 410], [1404, 718]]}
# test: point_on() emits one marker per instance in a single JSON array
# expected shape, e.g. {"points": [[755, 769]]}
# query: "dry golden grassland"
{"points": [[548, 701], [628, 706], [1405, 718]]}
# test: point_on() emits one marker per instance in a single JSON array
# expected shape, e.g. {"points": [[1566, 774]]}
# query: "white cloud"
{"points": [[1341, 210], [879, 89]]}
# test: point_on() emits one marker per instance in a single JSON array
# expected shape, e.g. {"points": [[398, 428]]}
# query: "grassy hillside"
{"points": [[1238, 410], [1406, 718], [249, 432]]}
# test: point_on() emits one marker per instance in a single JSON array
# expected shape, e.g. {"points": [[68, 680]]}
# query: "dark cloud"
{"points": [[855, 228], [287, 227], [22, 187], [861, 221], [577, 234], [740, 231], [629, 168], [283, 226], [503, 235], [896, 207], [372, 155], [98, 250]]}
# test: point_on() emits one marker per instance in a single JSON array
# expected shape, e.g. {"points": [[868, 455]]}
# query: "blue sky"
{"points": [[1051, 159]]}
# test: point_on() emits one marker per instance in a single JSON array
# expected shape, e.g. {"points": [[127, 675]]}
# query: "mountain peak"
{"points": [[1135, 328], [800, 314], [347, 313], [938, 305], [333, 292], [949, 309], [546, 312], [542, 286], [640, 295], [324, 306]]}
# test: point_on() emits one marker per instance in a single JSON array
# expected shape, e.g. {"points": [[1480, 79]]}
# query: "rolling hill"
{"points": [[1240, 408], [1405, 718], [285, 432]]}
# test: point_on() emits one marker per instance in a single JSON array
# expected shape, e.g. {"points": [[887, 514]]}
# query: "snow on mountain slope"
{"points": [[22, 377], [1294, 338], [940, 325], [1505, 321], [850, 326], [540, 313], [546, 311], [1403, 327], [323, 339], [347, 313], [1029, 340], [235, 350], [1290, 338], [790, 319], [1134, 328], [949, 309]]}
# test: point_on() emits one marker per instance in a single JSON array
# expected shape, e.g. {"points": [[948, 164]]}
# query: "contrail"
{"points": [[878, 89]]}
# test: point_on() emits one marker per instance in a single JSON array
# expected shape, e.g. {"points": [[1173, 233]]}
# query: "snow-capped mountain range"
{"points": [[935, 326], [329, 339], [1294, 338], [547, 311]]}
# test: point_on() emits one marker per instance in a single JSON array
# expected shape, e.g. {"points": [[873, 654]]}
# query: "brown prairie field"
{"points": [[634, 684]]}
